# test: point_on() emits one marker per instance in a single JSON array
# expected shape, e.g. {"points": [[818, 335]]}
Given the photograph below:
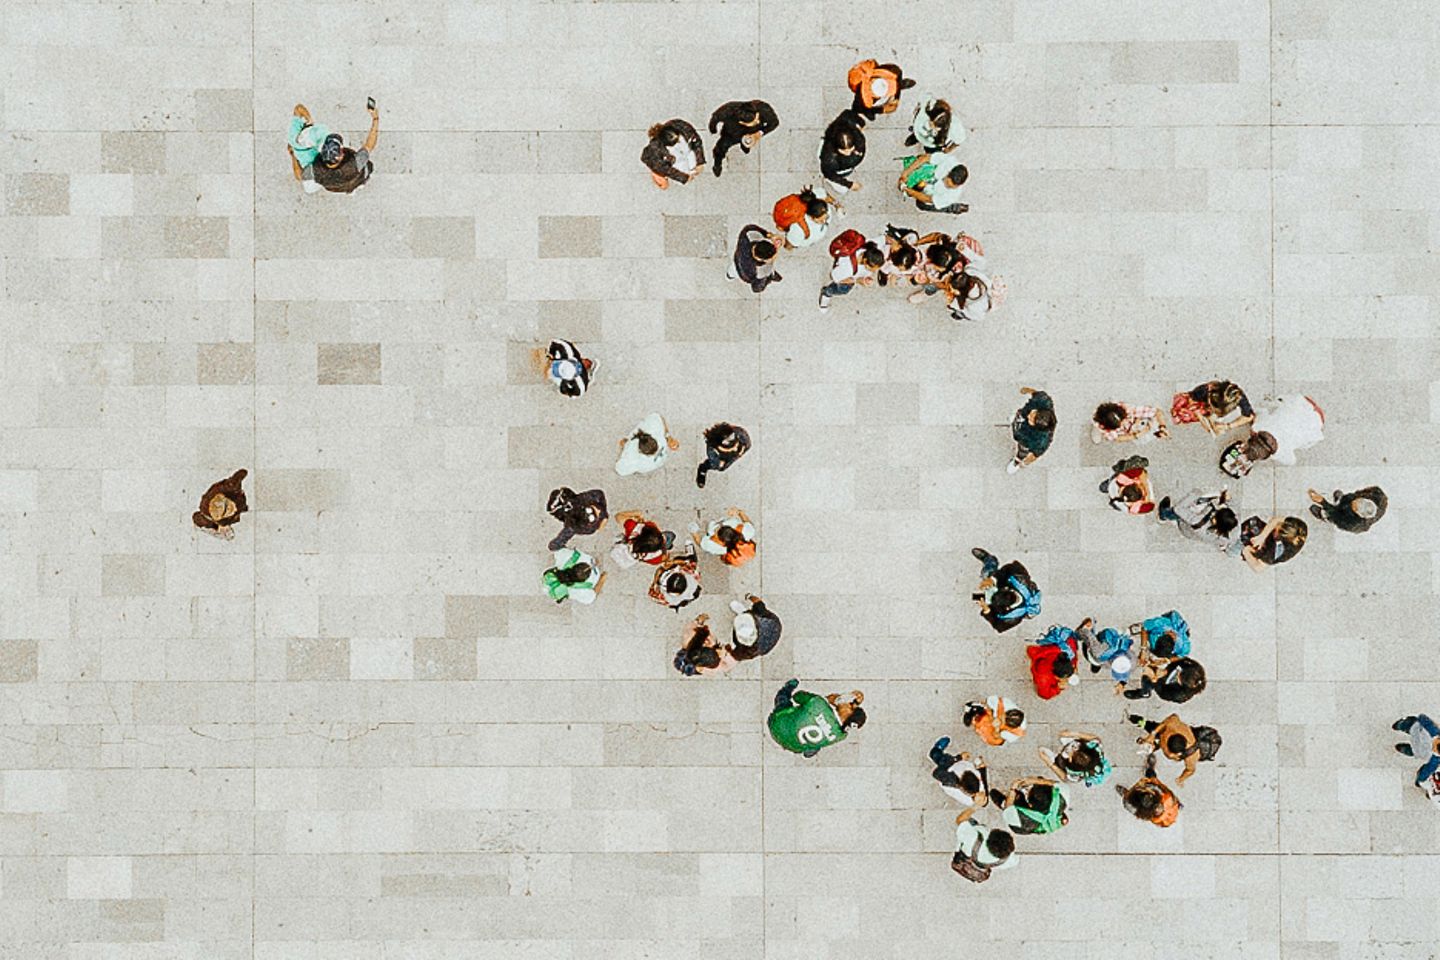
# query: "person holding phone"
{"points": [[319, 158]]}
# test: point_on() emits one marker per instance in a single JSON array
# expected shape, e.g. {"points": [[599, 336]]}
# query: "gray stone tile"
{"points": [[348, 363], [569, 237]]}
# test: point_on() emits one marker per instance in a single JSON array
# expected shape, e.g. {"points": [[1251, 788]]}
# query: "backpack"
{"points": [[1207, 742], [790, 210], [847, 244], [966, 865]]}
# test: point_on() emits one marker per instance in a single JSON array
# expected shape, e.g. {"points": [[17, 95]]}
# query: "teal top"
{"points": [[305, 139]]}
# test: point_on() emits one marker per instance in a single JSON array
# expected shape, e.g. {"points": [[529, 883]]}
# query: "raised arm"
{"points": [[374, 133]]}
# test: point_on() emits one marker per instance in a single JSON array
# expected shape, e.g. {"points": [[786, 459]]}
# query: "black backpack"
{"points": [[1207, 742]]}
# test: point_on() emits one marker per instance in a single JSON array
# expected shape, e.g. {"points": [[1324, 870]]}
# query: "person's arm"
{"points": [[625, 516], [1190, 762], [303, 113], [295, 163], [1028, 391], [374, 133], [914, 194], [1049, 762], [1079, 735], [769, 120], [929, 238], [696, 144], [720, 115], [914, 165]]}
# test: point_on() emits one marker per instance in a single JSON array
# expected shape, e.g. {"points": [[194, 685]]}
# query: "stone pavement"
{"points": [[359, 732]]}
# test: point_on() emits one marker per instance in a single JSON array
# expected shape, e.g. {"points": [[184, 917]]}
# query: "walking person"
{"points": [[1107, 647], [1032, 429], [674, 152], [319, 158], [566, 369], [1423, 744], [700, 653], [963, 778], [1052, 662], [877, 87], [980, 851], [933, 127], [1080, 759], [677, 580], [740, 123], [856, 262], [1177, 740], [803, 218], [1352, 512], [1149, 799], [1128, 488], [1206, 518], [575, 576], [1273, 542], [221, 505], [647, 448], [1174, 680], [580, 514], [1166, 635], [841, 151], [1034, 805], [1217, 405], [641, 540], [1125, 423], [756, 251], [756, 629], [731, 538], [806, 723], [724, 444], [935, 181], [1006, 594]]}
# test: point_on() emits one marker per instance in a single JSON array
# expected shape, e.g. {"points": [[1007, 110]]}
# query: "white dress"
{"points": [[1296, 424]]}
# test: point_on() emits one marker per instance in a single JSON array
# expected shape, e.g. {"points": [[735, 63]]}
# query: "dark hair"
{"points": [[728, 535], [871, 256], [1014, 717], [1143, 801], [846, 138], [675, 583], [1004, 600], [1131, 493], [1223, 521], [1083, 759], [1293, 531], [763, 250], [649, 539], [903, 257], [1190, 680], [1259, 446], [648, 445], [1164, 645], [942, 255], [1000, 843], [1109, 415], [703, 656], [1044, 419], [665, 133], [718, 433], [570, 576], [1064, 667], [958, 175], [1175, 743], [815, 208], [855, 720], [1040, 797], [1222, 396], [969, 782]]}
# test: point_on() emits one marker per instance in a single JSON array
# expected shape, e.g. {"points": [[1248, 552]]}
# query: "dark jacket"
{"points": [[837, 167], [734, 120], [657, 157]]}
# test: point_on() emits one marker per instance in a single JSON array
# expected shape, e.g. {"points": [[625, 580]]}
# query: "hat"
{"points": [[745, 628], [879, 87], [332, 149], [565, 369], [1366, 508], [1120, 665]]}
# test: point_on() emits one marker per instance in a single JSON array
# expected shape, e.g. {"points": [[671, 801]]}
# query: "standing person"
{"points": [[1128, 488], [221, 506], [741, 123], [971, 295], [1166, 635], [674, 152], [641, 540], [963, 778], [979, 851], [1269, 543], [1032, 429], [580, 514], [1034, 805], [803, 218], [933, 127], [1107, 647], [806, 723], [329, 164], [1052, 662], [1278, 432], [841, 151], [732, 538], [1217, 405], [756, 629], [1174, 680], [677, 580], [1124, 422], [1423, 745], [877, 87], [856, 263], [700, 653], [1081, 759], [935, 181], [724, 444], [1006, 594], [902, 262], [647, 448], [995, 721], [1352, 512], [565, 368], [756, 251], [1178, 741], [1149, 799], [575, 576], [1204, 517]]}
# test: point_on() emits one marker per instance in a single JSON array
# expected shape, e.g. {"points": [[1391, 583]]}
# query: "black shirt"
{"points": [[834, 165], [352, 171], [738, 118]]}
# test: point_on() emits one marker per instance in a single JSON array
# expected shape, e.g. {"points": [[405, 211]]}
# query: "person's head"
{"points": [[728, 535], [1222, 397], [1143, 801], [332, 151], [1259, 446], [1000, 844], [1109, 416], [872, 256], [1364, 508], [1132, 493], [675, 583], [1064, 667], [939, 113], [648, 539], [854, 720], [763, 251], [1004, 600], [970, 782], [941, 256], [570, 576], [704, 656], [1040, 796], [1224, 521], [904, 257], [1164, 645], [1014, 719], [847, 140], [720, 435], [666, 134], [1189, 676], [1085, 760], [1292, 532], [1041, 419], [647, 444], [561, 504], [1176, 745], [221, 508], [815, 207], [957, 176]]}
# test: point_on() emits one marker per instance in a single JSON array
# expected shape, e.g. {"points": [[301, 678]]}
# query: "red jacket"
{"points": [[1042, 666]]}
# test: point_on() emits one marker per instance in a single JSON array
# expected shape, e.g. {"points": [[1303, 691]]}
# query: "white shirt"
{"points": [[965, 836], [796, 233], [684, 157], [960, 768], [843, 270], [632, 460], [942, 194], [1294, 422]]}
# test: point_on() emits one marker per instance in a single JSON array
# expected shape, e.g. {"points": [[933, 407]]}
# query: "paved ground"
{"points": [[357, 732]]}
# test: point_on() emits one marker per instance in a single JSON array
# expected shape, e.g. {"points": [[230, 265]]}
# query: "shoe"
{"points": [[730, 273], [1163, 506], [1404, 749], [717, 169], [1316, 512], [1134, 695], [981, 554], [941, 744], [824, 302], [1399, 726], [1013, 466]]}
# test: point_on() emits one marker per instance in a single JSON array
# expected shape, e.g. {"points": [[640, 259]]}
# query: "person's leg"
{"points": [[783, 699], [1404, 724], [711, 462], [562, 538], [973, 711], [1427, 724], [989, 563], [1427, 770], [1147, 687], [722, 147], [939, 757], [1404, 750]]}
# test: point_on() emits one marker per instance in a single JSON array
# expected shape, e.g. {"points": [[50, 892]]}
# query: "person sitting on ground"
{"points": [[1052, 662], [724, 444], [700, 653], [756, 629], [221, 506], [803, 218], [933, 127], [1034, 805], [841, 151], [1352, 512], [732, 538], [328, 163], [647, 448], [580, 514], [677, 581], [1217, 405], [1179, 741], [1032, 429], [1124, 422], [963, 778], [674, 152], [1206, 518], [877, 87], [1423, 744], [979, 851], [806, 723], [741, 123], [935, 181], [1268, 543], [1149, 799], [1128, 488], [565, 368], [641, 539], [1081, 759], [1006, 595], [1175, 680], [756, 251], [995, 721], [575, 576]]}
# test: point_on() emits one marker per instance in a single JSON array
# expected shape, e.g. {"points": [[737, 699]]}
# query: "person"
{"points": [[641, 540], [841, 151], [1279, 431], [935, 181], [731, 538], [575, 576], [1178, 741], [1124, 422], [700, 654], [647, 448], [1052, 662], [1423, 745], [877, 87], [1272, 542], [328, 163], [933, 127], [580, 514], [1006, 595], [1080, 759], [1174, 680], [1149, 799], [995, 721], [1352, 512], [941, 257], [740, 123], [971, 295], [856, 263], [806, 723], [1206, 518], [964, 778], [1128, 488], [677, 580], [569, 371], [1033, 805], [724, 444], [902, 261], [674, 152], [1032, 429], [979, 851], [1217, 405], [1166, 635], [221, 505], [756, 250], [756, 629], [803, 218], [1106, 648]]}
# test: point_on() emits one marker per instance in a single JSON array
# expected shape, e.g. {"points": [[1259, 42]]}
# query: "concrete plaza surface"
{"points": [[359, 731]]}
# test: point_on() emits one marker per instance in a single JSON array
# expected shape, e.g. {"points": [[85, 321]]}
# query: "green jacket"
{"points": [[809, 723]]}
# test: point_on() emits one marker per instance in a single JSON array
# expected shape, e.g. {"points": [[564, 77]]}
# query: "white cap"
{"points": [[1120, 664], [879, 87], [745, 627], [566, 369]]}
